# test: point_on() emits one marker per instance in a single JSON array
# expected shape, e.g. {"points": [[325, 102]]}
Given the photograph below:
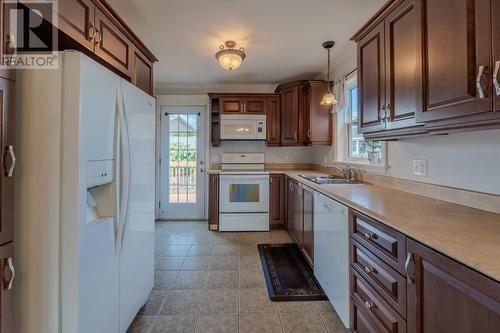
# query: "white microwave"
{"points": [[242, 127]]}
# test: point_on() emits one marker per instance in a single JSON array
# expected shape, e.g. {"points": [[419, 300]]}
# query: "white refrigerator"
{"points": [[85, 231]]}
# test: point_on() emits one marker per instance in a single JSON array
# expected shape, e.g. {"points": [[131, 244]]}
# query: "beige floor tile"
{"points": [[164, 279], [174, 324], [248, 250], [260, 324], [154, 303], [141, 324], [256, 300], [173, 250], [182, 240], [252, 279], [201, 250], [197, 263], [168, 263], [182, 302], [324, 306], [225, 263], [220, 301], [217, 324], [296, 307], [223, 280], [333, 322], [226, 238], [303, 323], [190, 280], [227, 250], [251, 262]]}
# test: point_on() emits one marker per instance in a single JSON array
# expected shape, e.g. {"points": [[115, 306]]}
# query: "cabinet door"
{"points": [[231, 104], [317, 117], [76, 19], [213, 202], [273, 121], [401, 67], [294, 214], [446, 296], [6, 286], [456, 44], [496, 52], [111, 44], [8, 137], [255, 105], [142, 73], [371, 80], [290, 116], [276, 200], [305, 135], [308, 228]]}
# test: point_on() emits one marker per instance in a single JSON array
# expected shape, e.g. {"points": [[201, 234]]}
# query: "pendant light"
{"points": [[329, 99], [230, 58]]}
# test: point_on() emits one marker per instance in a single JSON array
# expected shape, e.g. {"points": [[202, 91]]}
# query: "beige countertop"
{"points": [[468, 235]]}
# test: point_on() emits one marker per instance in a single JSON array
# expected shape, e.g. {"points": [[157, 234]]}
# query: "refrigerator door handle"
{"points": [[125, 172]]}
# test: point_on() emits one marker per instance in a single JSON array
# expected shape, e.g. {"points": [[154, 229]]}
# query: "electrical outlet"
{"points": [[420, 168], [288, 158]]}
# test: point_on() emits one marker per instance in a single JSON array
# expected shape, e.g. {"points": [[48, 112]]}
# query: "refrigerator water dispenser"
{"points": [[101, 191]]}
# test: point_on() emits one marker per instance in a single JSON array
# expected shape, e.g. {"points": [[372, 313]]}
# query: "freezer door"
{"points": [[137, 227]]}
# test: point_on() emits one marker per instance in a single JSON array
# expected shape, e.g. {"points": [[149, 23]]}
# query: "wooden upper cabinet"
{"points": [[446, 296], [496, 52], [276, 200], [255, 104], [402, 91], [111, 44], [231, 104], [371, 80], [289, 115], [456, 51], [7, 179], [273, 121], [76, 19], [317, 119], [307, 224], [142, 72]]}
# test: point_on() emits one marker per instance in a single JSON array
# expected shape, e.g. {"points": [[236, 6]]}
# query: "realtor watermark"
{"points": [[31, 38]]}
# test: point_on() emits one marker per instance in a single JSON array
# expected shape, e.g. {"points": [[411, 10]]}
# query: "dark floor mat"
{"points": [[288, 275]]}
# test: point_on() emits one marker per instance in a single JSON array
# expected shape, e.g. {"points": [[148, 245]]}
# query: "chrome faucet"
{"points": [[346, 171]]}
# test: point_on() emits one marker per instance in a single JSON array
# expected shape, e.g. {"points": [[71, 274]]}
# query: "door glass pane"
{"points": [[183, 159], [244, 193]]}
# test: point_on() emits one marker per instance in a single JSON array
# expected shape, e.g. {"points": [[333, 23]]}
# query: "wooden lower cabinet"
{"points": [[294, 210], [276, 201], [307, 224], [446, 296], [6, 288], [213, 202]]}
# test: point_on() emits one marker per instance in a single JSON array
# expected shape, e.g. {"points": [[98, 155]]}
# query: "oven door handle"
{"points": [[243, 177]]}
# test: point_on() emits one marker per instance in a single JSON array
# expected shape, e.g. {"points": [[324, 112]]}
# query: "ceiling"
{"points": [[282, 38]]}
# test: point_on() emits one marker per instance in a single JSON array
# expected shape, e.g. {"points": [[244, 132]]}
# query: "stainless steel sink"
{"points": [[328, 179]]}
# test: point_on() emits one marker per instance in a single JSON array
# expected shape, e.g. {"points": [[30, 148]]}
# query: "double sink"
{"points": [[329, 180]]}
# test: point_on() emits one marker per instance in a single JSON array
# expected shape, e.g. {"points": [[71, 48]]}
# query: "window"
{"points": [[358, 150]]}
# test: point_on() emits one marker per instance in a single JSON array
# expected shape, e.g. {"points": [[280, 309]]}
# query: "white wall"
{"points": [[468, 160]]}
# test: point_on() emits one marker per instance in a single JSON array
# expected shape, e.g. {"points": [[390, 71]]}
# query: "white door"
{"points": [[182, 190], [136, 229]]}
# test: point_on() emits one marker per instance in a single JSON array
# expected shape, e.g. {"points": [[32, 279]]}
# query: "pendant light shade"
{"points": [[328, 99], [230, 58]]}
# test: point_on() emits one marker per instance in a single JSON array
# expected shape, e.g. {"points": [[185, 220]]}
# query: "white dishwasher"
{"points": [[331, 252]]}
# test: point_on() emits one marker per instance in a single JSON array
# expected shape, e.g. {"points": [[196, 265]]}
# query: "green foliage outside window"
{"points": [[182, 152]]}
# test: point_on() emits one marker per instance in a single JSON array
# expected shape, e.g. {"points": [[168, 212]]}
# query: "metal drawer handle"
{"points": [[382, 114], [410, 277], [13, 273], [370, 270], [98, 36], [479, 87], [369, 305], [290, 186], [295, 136], [92, 31], [309, 133], [495, 77], [371, 235], [10, 151], [388, 113]]}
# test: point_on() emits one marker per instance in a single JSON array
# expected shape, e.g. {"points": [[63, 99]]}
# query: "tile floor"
{"points": [[213, 282]]}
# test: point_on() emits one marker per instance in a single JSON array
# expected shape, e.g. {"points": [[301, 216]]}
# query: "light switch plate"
{"points": [[420, 168]]}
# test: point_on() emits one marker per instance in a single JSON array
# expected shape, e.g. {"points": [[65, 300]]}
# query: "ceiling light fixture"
{"points": [[230, 58], [329, 98]]}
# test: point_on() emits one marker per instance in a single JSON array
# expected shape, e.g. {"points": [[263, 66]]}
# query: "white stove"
{"points": [[244, 193]]}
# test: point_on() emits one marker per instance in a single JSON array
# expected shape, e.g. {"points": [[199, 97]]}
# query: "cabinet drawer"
{"points": [[382, 315], [386, 281], [386, 243]]}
